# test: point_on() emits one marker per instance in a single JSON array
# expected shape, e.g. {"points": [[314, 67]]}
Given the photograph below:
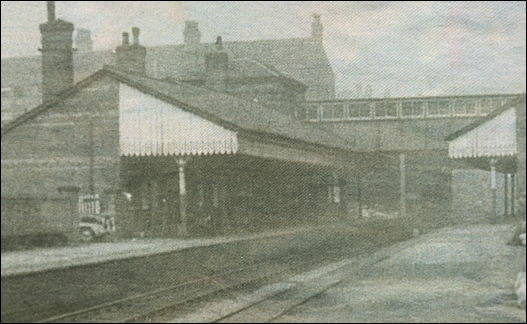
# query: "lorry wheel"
{"points": [[87, 235]]}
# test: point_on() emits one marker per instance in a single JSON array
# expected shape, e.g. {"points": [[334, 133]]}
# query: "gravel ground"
{"points": [[459, 274]]}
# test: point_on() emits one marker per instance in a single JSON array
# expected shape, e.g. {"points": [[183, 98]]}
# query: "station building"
{"points": [[165, 155], [211, 137]]}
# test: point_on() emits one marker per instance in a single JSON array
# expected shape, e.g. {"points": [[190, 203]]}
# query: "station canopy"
{"points": [[493, 138]]}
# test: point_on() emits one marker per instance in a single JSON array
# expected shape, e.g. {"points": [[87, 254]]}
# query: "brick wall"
{"points": [[73, 144]]}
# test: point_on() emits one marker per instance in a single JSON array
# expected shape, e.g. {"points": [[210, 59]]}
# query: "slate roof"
{"points": [[243, 115], [228, 111], [301, 59], [248, 68]]}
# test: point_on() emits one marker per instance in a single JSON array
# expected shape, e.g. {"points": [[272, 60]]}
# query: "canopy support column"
{"points": [[402, 168], [493, 187], [513, 194], [506, 194], [182, 197], [359, 195]]}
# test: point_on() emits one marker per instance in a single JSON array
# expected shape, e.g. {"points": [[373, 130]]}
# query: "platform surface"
{"points": [[43, 259]]}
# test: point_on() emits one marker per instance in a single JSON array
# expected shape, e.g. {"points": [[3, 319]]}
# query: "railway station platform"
{"points": [[45, 259], [42, 284]]}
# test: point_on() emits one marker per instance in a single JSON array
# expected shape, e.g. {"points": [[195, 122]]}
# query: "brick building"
{"points": [[302, 59], [163, 155], [278, 145]]}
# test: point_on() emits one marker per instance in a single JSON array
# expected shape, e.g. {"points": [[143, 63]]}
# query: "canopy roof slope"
{"points": [[227, 111], [492, 136], [231, 112], [236, 114]]}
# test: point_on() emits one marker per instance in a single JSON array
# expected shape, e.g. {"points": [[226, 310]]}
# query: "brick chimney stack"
{"points": [[126, 39], [83, 41], [135, 33], [192, 36], [216, 67], [51, 10], [131, 58], [316, 28], [57, 54]]}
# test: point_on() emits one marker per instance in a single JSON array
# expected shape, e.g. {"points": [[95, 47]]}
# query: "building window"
{"points": [[334, 194], [464, 107], [506, 101], [379, 110], [361, 110], [311, 112], [484, 106], [353, 111], [386, 109], [365, 110], [439, 108], [488, 105], [332, 112], [412, 109]]}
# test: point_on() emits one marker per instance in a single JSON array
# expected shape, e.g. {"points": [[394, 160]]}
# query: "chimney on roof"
{"points": [[51, 11], [216, 67], [192, 35], [83, 42], [126, 39], [57, 54], [131, 58], [316, 28], [135, 33]]}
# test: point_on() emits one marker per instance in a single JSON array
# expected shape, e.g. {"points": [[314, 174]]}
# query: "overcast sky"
{"points": [[406, 48]]}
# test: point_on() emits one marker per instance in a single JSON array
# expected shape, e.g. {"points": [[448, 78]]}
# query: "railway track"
{"points": [[245, 315], [159, 301], [272, 302], [138, 308]]}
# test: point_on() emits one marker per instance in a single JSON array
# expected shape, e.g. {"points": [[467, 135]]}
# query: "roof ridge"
{"points": [[275, 124], [262, 40], [104, 50], [35, 111], [269, 69], [254, 110]]}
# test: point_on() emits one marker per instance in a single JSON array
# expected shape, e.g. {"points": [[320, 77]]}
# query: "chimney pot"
{"points": [[83, 41], [216, 67], [125, 39], [219, 43], [131, 58], [192, 35], [57, 54], [51, 11], [135, 33], [316, 27]]}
